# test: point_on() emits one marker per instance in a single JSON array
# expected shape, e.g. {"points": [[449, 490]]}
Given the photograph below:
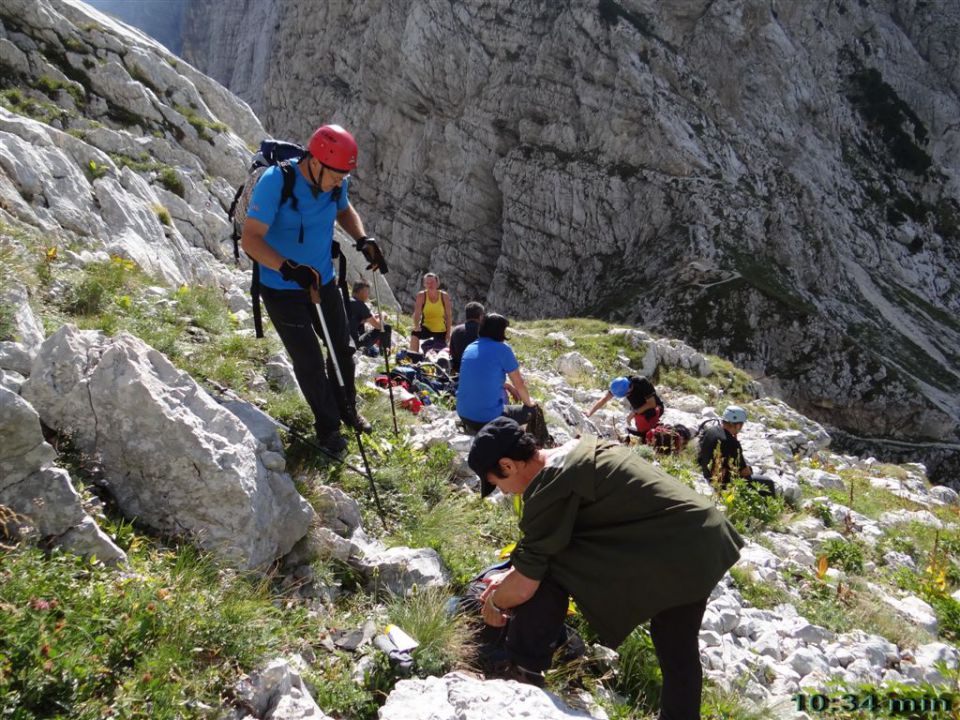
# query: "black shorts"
{"points": [[425, 334]]}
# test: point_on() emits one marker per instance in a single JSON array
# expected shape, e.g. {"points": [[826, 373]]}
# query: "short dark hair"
{"points": [[525, 449], [493, 326], [473, 311], [360, 285]]}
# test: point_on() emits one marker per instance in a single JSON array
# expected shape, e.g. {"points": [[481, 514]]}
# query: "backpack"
{"points": [[271, 153], [666, 439]]}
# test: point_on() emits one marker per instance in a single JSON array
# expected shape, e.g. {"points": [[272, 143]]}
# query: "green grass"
{"points": [[200, 124], [163, 215], [15, 100], [759, 594], [50, 87], [171, 180], [445, 642], [82, 640]]}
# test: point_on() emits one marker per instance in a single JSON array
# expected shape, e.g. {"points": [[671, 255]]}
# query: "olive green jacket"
{"points": [[623, 537]]}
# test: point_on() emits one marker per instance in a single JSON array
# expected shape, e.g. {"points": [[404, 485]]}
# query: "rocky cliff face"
{"points": [[777, 182], [108, 143]]}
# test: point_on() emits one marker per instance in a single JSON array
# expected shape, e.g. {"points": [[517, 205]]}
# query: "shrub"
{"points": [[747, 509], [99, 284], [846, 554], [95, 171]]}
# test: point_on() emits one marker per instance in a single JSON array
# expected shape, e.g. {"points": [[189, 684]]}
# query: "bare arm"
{"points": [[253, 244], [511, 590], [374, 322], [600, 403], [418, 309], [350, 221], [447, 316], [520, 386]]}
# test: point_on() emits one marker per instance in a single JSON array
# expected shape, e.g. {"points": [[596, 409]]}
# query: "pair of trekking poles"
{"points": [[351, 404]]}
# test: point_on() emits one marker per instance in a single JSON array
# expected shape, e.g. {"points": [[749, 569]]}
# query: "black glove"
{"points": [[371, 251], [303, 275]]}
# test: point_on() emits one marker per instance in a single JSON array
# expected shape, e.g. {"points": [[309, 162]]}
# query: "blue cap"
{"points": [[620, 387]]}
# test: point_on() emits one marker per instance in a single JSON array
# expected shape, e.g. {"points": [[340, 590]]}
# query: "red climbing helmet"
{"points": [[334, 147]]}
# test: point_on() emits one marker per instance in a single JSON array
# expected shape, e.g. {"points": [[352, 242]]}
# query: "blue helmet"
{"points": [[620, 387], [734, 414]]}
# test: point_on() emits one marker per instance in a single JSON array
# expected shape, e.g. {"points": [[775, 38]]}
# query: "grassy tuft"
{"points": [[446, 642], [171, 180]]}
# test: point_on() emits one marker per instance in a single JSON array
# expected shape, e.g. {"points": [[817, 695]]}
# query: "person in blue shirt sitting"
{"points": [[485, 365]]}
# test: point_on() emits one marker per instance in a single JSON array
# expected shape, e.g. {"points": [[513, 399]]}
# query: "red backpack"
{"points": [[668, 439]]}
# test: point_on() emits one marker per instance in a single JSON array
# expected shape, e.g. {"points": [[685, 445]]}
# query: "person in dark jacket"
{"points": [[721, 456], [465, 334], [622, 537]]}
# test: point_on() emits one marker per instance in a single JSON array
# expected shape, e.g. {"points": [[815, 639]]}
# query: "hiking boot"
{"points": [[509, 670], [359, 422], [332, 442]]}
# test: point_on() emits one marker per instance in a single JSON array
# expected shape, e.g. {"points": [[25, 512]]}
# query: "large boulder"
{"points": [[172, 457], [31, 486]]}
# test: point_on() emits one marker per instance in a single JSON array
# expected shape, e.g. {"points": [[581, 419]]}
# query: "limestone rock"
{"points": [[172, 457], [277, 692], [458, 697], [398, 570], [31, 486]]}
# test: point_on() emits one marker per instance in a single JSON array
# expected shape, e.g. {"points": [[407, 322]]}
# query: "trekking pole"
{"points": [[315, 296], [222, 394], [385, 337]]}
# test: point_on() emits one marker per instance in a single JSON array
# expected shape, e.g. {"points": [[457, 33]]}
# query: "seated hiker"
{"points": [[465, 334], [486, 363], [432, 317], [602, 525], [361, 316], [721, 457], [640, 397]]}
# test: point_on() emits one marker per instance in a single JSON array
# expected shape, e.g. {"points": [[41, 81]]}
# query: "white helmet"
{"points": [[734, 414]]}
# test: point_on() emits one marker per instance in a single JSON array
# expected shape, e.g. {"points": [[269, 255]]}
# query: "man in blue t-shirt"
{"points": [[292, 243], [485, 365]]}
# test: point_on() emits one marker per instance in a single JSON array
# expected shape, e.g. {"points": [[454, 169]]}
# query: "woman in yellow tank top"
{"points": [[432, 316]]}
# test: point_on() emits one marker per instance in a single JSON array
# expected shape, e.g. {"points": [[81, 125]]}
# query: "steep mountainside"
{"points": [[776, 182]]}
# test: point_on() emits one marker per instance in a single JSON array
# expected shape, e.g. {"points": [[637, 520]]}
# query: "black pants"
{"points": [[536, 625], [369, 338], [520, 413], [296, 322]]}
